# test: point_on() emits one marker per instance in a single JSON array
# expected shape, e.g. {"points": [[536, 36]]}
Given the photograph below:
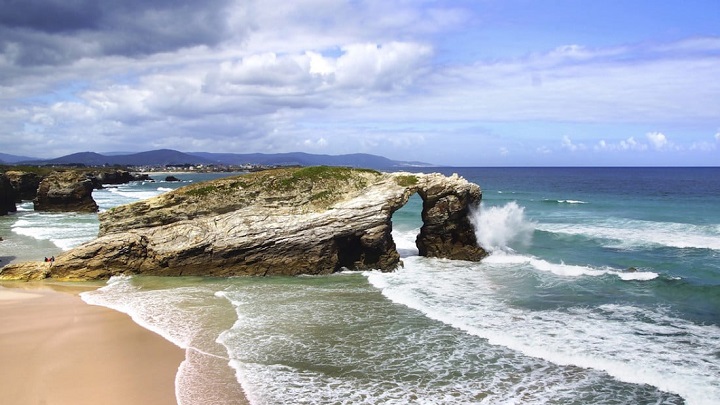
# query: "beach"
{"points": [[56, 349], [601, 287]]}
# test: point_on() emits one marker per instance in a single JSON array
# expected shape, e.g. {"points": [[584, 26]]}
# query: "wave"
{"points": [[64, 230], [405, 241], [498, 228], [564, 201], [183, 315], [635, 345], [25, 206], [136, 195], [631, 233], [566, 270]]}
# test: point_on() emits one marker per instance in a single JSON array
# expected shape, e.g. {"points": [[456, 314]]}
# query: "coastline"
{"points": [[58, 349]]}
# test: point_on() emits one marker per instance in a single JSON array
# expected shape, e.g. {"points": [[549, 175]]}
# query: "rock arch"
{"points": [[278, 222]]}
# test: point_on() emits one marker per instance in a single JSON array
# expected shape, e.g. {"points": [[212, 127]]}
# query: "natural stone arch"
{"points": [[446, 230], [278, 222]]}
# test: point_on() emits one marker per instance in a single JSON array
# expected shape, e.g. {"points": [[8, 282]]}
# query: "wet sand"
{"points": [[56, 349]]}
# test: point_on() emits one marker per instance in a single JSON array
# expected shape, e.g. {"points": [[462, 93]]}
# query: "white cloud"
{"points": [[319, 143], [657, 139], [632, 144], [370, 75], [569, 145], [629, 144], [390, 66], [703, 146]]}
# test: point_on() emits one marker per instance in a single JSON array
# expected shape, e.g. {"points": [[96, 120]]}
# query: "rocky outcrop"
{"points": [[314, 220], [65, 191], [24, 183], [119, 177], [7, 195]]}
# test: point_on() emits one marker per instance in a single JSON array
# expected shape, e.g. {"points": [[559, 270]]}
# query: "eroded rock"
{"points": [[278, 222], [65, 191], [7, 195], [24, 183]]}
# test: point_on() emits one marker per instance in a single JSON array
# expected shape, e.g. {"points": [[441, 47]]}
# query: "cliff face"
{"points": [[7, 195], [313, 220], [65, 191], [25, 184]]}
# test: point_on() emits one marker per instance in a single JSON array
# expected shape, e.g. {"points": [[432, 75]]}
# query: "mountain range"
{"points": [[169, 157]]}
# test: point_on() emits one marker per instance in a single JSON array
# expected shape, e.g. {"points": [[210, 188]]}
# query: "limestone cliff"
{"points": [[24, 183], [65, 191], [314, 220]]}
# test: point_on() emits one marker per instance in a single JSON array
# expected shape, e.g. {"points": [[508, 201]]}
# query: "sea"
{"points": [[602, 287]]}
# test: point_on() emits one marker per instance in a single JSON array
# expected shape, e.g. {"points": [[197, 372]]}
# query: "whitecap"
{"points": [[631, 233], [632, 344]]}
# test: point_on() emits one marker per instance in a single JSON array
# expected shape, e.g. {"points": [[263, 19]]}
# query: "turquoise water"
{"points": [[603, 286]]}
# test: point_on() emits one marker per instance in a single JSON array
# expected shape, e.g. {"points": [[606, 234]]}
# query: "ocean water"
{"points": [[602, 287]]}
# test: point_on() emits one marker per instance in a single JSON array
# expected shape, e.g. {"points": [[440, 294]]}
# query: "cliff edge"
{"points": [[291, 221]]}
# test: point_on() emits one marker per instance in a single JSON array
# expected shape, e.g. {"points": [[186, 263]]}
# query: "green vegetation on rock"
{"points": [[406, 181]]}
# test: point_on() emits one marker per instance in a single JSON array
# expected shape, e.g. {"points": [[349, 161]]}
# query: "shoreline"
{"points": [[58, 349]]}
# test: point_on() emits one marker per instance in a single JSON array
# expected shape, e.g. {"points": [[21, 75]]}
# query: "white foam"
{"points": [[134, 194], [148, 309], [66, 230], [636, 233], [566, 201], [498, 228], [635, 345], [25, 206], [565, 270], [405, 242]]}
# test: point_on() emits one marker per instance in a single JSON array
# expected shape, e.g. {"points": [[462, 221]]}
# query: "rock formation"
{"points": [[314, 220], [119, 177], [7, 195], [24, 183], [65, 191]]}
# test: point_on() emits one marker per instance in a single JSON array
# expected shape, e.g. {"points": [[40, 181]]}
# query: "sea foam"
{"points": [[631, 233], [635, 345], [499, 228]]}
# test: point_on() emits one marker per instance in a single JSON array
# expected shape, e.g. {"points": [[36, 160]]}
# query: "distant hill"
{"points": [[160, 157], [12, 159], [169, 157], [307, 159]]}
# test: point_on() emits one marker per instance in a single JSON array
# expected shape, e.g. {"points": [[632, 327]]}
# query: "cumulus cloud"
{"points": [[573, 147], [629, 144], [233, 75], [657, 139]]}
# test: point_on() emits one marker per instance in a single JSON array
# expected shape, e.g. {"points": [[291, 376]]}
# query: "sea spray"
{"points": [[498, 228]]}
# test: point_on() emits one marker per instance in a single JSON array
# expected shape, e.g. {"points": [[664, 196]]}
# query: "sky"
{"points": [[453, 83]]}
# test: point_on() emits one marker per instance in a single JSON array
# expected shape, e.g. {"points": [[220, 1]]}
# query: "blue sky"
{"points": [[464, 83]]}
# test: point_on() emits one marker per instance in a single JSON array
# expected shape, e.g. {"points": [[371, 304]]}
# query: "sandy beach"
{"points": [[56, 349]]}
